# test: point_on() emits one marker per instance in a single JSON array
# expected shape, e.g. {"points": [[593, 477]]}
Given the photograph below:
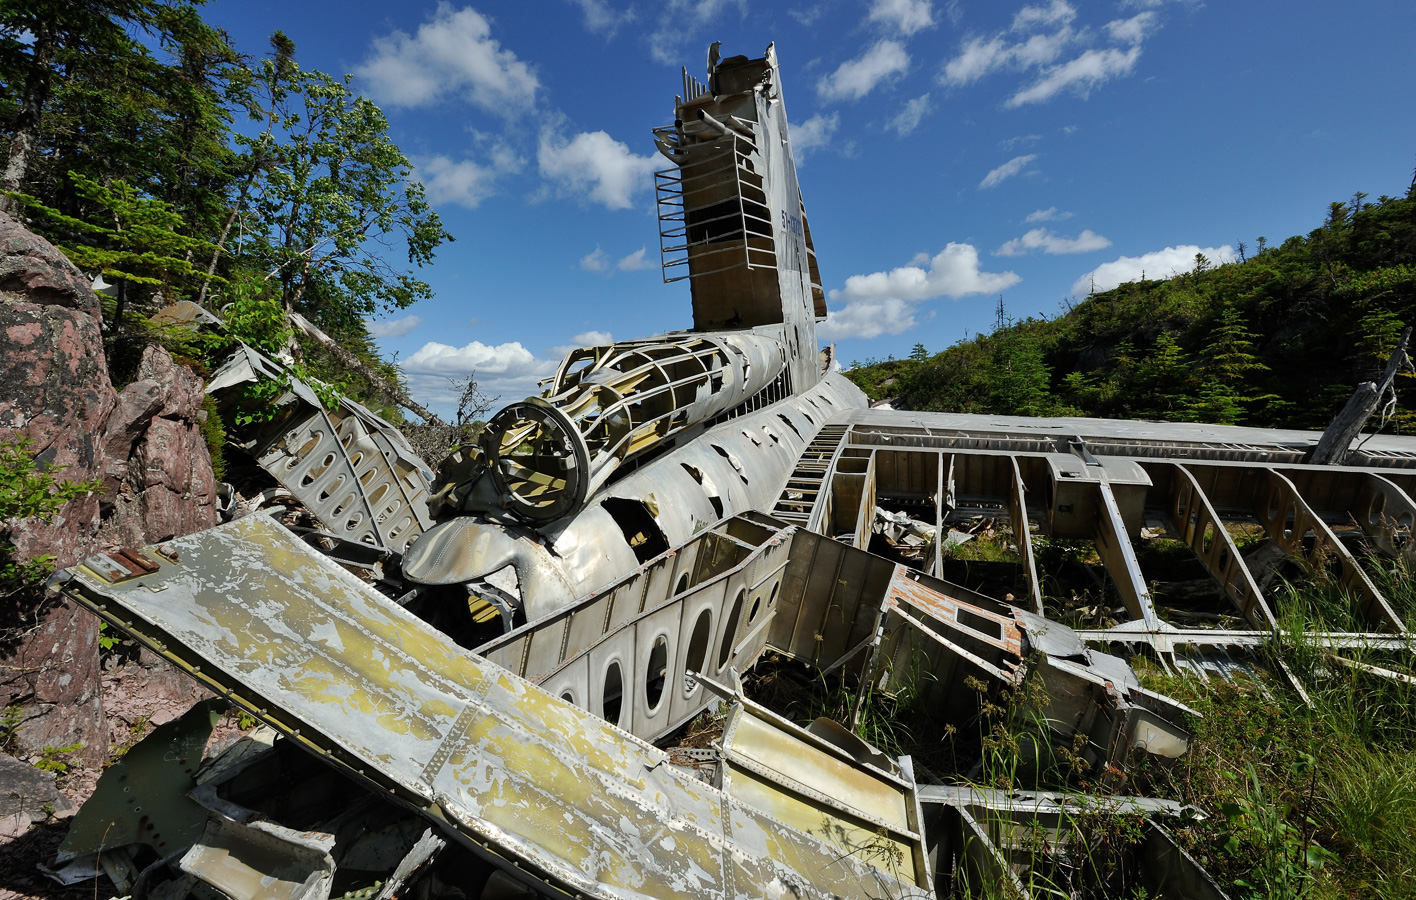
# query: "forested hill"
{"points": [[1278, 339]]}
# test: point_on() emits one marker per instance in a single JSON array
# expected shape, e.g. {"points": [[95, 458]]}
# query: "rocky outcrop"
{"points": [[158, 482], [145, 443]]}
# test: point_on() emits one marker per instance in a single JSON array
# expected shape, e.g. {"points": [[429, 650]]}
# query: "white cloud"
{"points": [[1038, 38], [1006, 171], [452, 54], [1047, 242], [393, 327], [505, 370], [594, 165], [867, 319], [1022, 140], [908, 119], [1051, 214], [1132, 30], [1031, 17], [635, 261], [601, 18], [464, 182], [858, 77], [680, 20], [1154, 265], [584, 339], [953, 272], [596, 260], [813, 134], [977, 57], [1081, 75], [905, 16]]}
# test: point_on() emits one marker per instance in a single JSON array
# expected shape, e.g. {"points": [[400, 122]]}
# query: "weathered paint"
{"points": [[515, 773]]}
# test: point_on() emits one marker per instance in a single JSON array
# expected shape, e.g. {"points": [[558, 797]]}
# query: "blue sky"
{"points": [[949, 151]]}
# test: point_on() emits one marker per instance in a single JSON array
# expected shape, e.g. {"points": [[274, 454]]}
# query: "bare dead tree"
{"points": [[472, 402]]}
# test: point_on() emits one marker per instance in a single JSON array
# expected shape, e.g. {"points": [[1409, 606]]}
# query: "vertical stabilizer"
{"points": [[731, 214]]}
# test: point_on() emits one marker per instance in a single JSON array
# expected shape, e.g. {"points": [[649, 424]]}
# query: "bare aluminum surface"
{"points": [[350, 468], [531, 783]]}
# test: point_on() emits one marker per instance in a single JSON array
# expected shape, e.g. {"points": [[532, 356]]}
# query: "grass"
{"points": [[1303, 802]]}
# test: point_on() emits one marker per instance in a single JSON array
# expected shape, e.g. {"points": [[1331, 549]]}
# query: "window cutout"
{"points": [[730, 632], [568, 697], [756, 608], [698, 649], [657, 673], [682, 584], [645, 537], [612, 700]]}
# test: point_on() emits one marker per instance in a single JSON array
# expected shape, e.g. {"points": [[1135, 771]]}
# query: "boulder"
{"points": [[27, 795], [158, 478], [146, 445]]}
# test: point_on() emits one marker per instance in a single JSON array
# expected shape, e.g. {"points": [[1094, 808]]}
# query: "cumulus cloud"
{"points": [[393, 328], [1080, 76], [465, 181], [883, 302], [908, 119], [1037, 40], [867, 319], [1154, 265], [1051, 214], [905, 16], [596, 260], [635, 261], [858, 77], [594, 165], [813, 134], [953, 272], [1007, 170], [504, 370], [454, 54], [601, 18], [1055, 245]]}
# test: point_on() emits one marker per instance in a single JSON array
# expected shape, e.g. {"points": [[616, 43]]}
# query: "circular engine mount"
{"points": [[539, 461]]}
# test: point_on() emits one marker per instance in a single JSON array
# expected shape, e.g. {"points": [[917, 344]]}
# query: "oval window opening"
{"points": [[682, 584], [657, 673], [612, 701], [568, 697], [730, 632], [698, 648], [756, 608]]}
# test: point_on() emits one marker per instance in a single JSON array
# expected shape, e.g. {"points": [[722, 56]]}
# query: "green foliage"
{"points": [[136, 239], [136, 169], [29, 490], [51, 758], [107, 639], [1301, 801], [10, 719], [214, 435], [1280, 339]]}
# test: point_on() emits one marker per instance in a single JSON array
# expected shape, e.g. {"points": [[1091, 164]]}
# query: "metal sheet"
{"points": [[515, 773]]}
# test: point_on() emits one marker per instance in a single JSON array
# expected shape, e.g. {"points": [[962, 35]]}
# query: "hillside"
{"points": [[1277, 339]]}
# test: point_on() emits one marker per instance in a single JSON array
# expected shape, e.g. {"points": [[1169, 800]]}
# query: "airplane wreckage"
{"points": [[467, 683]]}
